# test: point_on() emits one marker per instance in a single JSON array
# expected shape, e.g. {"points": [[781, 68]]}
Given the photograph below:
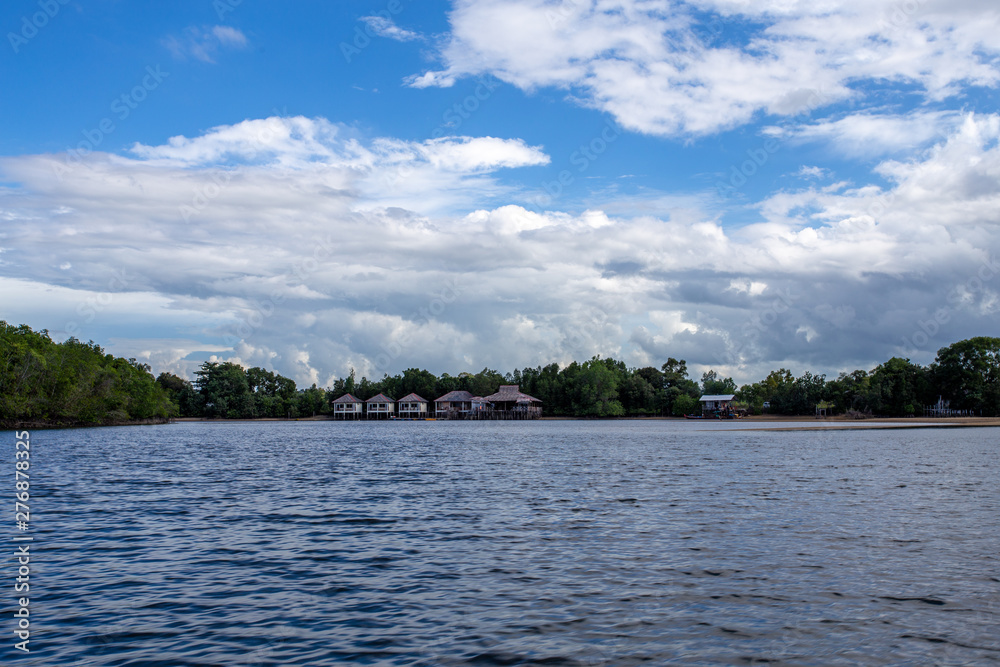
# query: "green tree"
{"points": [[311, 401], [72, 382], [712, 383], [225, 388], [967, 373], [686, 405], [850, 392], [897, 388], [595, 391]]}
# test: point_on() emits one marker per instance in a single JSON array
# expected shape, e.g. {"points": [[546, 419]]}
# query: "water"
{"points": [[529, 543]]}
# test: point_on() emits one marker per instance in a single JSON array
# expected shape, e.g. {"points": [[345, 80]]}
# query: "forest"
{"points": [[966, 373], [72, 383], [76, 383]]}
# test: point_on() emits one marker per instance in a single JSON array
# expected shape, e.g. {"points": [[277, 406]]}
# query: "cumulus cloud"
{"points": [[700, 66], [295, 244]]}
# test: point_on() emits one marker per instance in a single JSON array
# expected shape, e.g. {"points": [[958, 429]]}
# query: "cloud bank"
{"points": [[702, 66], [296, 244]]}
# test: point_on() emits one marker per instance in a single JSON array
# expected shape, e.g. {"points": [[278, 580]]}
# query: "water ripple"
{"points": [[547, 543]]}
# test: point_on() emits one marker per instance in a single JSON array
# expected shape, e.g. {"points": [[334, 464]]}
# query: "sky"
{"points": [[315, 187]]}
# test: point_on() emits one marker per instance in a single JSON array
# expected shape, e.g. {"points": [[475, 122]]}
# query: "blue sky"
{"points": [[314, 187]]}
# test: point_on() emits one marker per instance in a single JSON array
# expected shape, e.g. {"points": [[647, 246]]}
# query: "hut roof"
{"points": [[717, 397], [380, 398], [455, 397], [346, 398], [511, 393], [412, 398]]}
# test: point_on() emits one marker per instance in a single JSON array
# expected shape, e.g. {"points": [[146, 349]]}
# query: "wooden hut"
{"points": [[412, 406], [453, 405], [511, 403], [717, 405], [380, 406], [479, 407], [347, 407]]}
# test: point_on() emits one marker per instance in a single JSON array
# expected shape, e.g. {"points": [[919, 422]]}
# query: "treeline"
{"points": [[595, 388], [228, 391], [72, 383], [77, 383], [967, 374]]}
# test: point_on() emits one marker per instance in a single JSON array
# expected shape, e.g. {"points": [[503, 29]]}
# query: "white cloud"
{"points": [[658, 70], [813, 172], [872, 134], [384, 27], [321, 251], [229, 36], [203, 42]]}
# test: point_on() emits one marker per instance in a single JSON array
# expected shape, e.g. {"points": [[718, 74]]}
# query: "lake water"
{"points": [[511, 543]]}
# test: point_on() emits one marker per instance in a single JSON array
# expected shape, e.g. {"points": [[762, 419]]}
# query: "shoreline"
{"points": [[757, 423], [838, 422], [44, 425]]}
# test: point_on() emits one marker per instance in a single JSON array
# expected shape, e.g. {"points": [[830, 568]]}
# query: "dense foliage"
{"points": [[76, 382], [45, 382], [966, 374]]}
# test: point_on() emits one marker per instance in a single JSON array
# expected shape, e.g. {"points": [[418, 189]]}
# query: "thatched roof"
{"points": [[412, 398], [380, 398], [511, 393], [455, 397], [346, 398]]}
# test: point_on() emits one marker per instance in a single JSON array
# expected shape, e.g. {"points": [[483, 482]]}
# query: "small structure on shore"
{"points": [[508, 403], [718, 405], [347, 407], [412, 406], [943, 409], [380, 406], [511, 403], [453, 405]]}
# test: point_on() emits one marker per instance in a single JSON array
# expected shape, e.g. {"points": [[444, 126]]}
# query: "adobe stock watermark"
{"points": [[362, 37], [739, 174], [121, 107], [582, 158], [31, 24], [423, 316], [220, 178], [928, 329], [900, 14], [223, 7], [266, 654], [556, 16], [593, 322], [455, 115], [261, 311], [91, 307], [760, 322], [451, 120]]}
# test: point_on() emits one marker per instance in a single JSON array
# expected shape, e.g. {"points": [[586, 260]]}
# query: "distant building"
{"points": [[453, 405], [347, 407], [511, 403], [380, 407], [716, 403], [412, 406]]}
